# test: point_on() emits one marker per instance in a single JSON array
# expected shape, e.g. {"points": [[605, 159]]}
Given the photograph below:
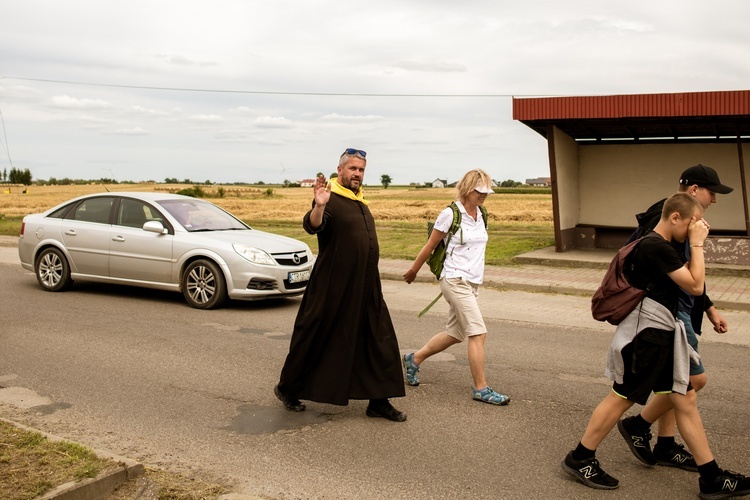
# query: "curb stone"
{"points": [[8, 241], [93, 488]]}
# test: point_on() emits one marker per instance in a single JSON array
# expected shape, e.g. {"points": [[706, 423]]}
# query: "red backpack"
{"points": [[616, 297]]}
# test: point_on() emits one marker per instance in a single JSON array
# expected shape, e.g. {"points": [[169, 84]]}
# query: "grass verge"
{"points": [[32, 465], [9, 225], [404, 240]]}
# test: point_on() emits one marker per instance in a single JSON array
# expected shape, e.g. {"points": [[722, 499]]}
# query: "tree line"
{"points": [[16, 176]]}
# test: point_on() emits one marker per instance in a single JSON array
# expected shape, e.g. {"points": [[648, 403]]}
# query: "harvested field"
{"points": [[290, 204]]}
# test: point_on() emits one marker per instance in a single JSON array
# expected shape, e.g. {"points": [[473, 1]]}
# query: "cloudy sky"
{"points": [[233, 91]]}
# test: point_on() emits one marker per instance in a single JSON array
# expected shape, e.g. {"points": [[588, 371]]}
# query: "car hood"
{"points": [[271, 243]]}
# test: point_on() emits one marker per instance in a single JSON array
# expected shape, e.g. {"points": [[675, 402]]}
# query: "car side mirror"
{"points": [[154, 226]]}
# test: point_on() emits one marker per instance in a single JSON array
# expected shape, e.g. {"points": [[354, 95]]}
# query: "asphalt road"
{"points": [[141, 374]]}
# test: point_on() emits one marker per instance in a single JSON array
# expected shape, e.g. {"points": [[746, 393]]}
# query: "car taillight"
{"points": [[23, 226]]}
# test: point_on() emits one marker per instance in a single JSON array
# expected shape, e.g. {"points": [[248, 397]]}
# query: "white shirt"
{"points": [[464, 257]]}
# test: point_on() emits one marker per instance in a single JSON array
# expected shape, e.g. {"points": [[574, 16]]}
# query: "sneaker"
{"points": [[639, 443], [675, 456], [487, 395], [728, 484], [589, 473], [411, 369]]}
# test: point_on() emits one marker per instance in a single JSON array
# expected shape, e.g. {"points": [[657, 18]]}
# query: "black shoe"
{"points": [[675, 456], [589, 473], [639, 442], [291, 404], [385, 410], [728, 484]]}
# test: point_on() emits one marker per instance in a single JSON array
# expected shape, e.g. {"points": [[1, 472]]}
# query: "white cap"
{"points": [[483, 188]]}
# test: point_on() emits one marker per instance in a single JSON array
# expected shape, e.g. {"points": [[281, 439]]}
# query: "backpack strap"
{"points": [[483, 209], [456, 218]]}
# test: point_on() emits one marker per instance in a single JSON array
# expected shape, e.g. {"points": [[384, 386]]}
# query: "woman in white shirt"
{"points": [[459, 282]]}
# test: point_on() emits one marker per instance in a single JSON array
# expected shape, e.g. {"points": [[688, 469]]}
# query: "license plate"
{"points": [[299, 276]]}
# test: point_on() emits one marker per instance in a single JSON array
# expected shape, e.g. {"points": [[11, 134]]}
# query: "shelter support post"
{"points": [[744, 185]]}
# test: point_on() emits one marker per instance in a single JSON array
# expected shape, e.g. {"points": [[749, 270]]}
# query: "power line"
{"points": [[258, 92], [5, 146]]}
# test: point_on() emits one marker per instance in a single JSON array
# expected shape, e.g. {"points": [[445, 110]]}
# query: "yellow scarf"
{"points": [[347, 193]]}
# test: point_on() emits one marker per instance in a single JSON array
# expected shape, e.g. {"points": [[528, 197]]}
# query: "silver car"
{"points": [[162, 241]]}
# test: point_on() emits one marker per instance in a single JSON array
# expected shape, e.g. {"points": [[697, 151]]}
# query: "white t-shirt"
{"points": [[464, 257]]}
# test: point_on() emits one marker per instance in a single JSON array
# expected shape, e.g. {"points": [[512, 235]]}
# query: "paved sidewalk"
{"points": [[579, 272]]}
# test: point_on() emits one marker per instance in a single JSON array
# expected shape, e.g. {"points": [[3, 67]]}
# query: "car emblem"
{"points": [[295, 258]]}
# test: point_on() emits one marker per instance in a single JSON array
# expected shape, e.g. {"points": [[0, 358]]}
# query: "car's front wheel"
{"points": [[52, 270], [203, 285]]}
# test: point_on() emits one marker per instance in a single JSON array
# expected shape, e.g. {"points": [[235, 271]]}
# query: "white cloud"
{"points": [[131, 131], [206, 118], [184, 61], [24, 93], [430, 66], [233, 136], [272, 122], [335, 117], [67, 102], [140, 110], [243, 110]]}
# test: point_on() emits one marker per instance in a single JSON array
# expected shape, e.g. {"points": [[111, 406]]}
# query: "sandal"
{"points": [[488, 395], [411, 369]]}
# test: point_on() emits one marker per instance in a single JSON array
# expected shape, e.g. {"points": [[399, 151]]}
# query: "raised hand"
{"points": [[322, 191]]}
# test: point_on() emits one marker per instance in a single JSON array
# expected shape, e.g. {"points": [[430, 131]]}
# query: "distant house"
{"points": [[540, 181], [306, 183], [440, 183]]}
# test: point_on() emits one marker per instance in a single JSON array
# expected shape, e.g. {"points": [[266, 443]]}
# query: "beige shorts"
{"points": [[464, 317]]}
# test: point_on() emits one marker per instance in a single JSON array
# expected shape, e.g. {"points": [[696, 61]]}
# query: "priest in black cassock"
{"points": [[343, 346]]}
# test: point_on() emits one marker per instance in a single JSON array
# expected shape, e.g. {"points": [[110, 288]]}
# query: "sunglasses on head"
{"points": [[352, 151]]}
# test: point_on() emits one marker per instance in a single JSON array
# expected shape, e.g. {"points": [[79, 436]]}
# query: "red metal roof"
{"points": [[693, 104], [687, 114]]}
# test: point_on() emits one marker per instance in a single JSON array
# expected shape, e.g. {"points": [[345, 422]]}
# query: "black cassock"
{"points": [[343, 346]]}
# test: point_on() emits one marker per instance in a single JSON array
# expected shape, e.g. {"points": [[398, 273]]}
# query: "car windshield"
{"points": [[197, 215]]}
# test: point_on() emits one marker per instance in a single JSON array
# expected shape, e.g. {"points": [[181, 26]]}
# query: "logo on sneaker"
{"points": [[590, 471], [729, 485], [679, 458], [638, 441]]}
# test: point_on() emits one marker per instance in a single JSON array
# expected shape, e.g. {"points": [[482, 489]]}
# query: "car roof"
{"points": [[148, 196], [144, 195], [152, 196]]}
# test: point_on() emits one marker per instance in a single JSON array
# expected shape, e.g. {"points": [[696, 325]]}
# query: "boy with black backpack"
{"points": [[650, 353], [702, 183]]}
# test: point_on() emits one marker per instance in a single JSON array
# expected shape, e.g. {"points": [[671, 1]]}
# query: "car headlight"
{"points": [[254, 255]]}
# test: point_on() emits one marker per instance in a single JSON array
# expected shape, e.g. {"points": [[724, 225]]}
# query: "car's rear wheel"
{"points": [[203, 285], [52, 270]]}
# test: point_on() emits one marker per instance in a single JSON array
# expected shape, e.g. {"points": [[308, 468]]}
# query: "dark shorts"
{"points": [[648, 362], [692, 339]]}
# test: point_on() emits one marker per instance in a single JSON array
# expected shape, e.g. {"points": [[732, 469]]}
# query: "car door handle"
{"points": [[71, 232], [118, 238]]}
